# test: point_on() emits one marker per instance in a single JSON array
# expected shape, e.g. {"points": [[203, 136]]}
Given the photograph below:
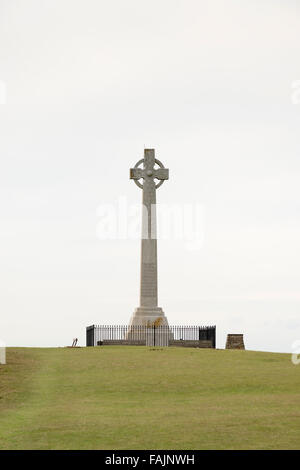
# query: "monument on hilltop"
{"points": [[148, 325], [148, 313]]}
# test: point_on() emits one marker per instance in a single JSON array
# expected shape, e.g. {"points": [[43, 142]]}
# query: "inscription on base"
{"points": [[149, 280]]}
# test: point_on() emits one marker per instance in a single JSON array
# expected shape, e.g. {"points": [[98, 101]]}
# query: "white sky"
{"points": [[208, 84]]}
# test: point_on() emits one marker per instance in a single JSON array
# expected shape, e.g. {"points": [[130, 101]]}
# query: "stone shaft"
{"points": [[148, 288]]}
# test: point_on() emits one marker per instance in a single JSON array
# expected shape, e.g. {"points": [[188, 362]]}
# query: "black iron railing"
{"points": [[163, 335]]}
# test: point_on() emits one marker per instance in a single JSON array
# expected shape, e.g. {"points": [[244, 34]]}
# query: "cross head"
{"points": [[148, 173]]}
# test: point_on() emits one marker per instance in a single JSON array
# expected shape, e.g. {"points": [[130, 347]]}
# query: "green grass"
{"points": [[142, 398]]}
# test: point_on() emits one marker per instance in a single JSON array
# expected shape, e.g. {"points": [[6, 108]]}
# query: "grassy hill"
{"points": [[143, 398]]}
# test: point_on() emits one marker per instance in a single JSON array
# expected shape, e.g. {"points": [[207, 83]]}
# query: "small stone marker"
{"points": [[235, 341]]}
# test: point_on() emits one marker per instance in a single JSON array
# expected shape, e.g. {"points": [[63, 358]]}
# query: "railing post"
{"points": [[90, 335]]}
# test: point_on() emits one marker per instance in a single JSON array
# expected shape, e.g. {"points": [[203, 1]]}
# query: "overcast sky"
{"points": [[212, 86]]}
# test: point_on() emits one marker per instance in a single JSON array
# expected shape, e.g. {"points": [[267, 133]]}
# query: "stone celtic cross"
{"points": [[148, 311]]}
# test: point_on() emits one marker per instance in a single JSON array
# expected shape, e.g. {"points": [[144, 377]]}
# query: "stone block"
{"points": [[235, 341]]}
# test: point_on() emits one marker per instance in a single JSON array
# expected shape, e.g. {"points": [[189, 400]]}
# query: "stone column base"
{"points": [[148, 315], [235, 341]]}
